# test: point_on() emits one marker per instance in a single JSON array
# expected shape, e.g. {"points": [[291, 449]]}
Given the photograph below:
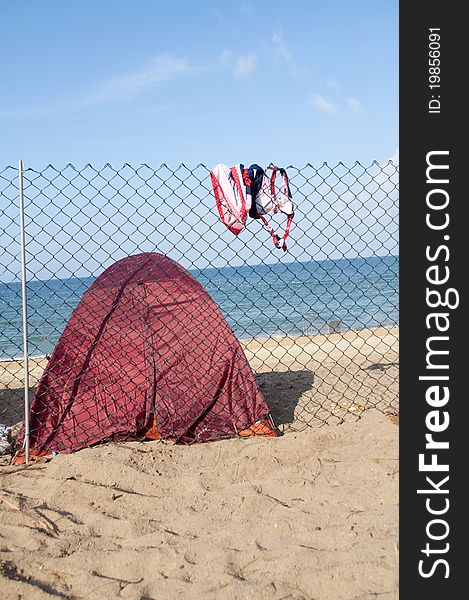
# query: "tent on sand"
{"points": [[146, 354]]}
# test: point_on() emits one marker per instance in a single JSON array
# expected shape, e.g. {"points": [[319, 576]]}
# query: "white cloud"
{"points": [[246, 8], [163, 68], [386, 175], [225, 57], [395, 156], [282, 51], [332, 83], [34, 112], [354, 105], [217, 14], [245, 65], [322, 104], [283, 55]]}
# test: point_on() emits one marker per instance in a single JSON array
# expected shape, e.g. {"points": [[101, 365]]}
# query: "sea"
{"points": [[268, 300]]}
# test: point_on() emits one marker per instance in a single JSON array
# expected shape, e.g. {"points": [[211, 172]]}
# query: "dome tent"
{"points": [[145, 354]]}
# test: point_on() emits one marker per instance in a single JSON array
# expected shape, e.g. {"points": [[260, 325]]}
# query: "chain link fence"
{"points": [[317, 324]]}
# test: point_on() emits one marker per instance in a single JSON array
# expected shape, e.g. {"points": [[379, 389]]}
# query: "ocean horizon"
{"points": [[261, 301]]}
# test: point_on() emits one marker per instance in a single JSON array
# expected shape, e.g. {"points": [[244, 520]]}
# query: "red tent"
{"points": [[145, 354]]}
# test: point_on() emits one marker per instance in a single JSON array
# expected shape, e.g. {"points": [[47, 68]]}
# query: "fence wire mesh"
{"points": [[147, 351]]}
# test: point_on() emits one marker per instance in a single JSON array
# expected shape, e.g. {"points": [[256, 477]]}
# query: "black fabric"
{"points": [[256, 184]]}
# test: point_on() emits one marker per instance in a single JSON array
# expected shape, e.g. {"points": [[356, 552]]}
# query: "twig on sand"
{"points": [[19, 469], [38, 519], [122, 582]]}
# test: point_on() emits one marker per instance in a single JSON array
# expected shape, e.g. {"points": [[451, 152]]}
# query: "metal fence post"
{"points": [[25, 311]]}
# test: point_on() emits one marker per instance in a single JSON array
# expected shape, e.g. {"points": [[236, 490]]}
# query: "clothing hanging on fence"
{"points": [[252, 191]]}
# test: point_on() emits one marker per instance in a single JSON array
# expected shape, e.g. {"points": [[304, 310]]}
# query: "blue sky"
{"points": [[169, 82]]}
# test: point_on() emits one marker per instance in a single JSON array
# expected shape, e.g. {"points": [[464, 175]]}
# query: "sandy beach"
{"points": [[312, 514]]}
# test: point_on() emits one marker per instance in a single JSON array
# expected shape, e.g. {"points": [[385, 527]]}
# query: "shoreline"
{"points": [[21, 358], [260, 340], [349, 346], [305, 379]]}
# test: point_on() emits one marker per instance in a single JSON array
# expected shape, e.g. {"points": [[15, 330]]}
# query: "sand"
{"points": [[312, 514]]}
